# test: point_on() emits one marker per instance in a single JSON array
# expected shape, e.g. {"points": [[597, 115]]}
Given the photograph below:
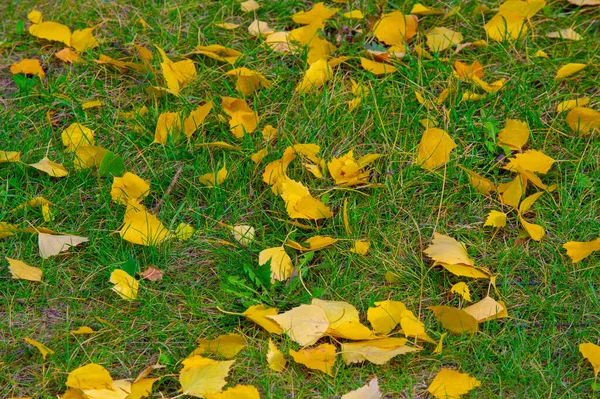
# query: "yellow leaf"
{"points": [[567, 34], [90, 376], [528, 202], [455, 320], [219, 53], [420, 9], [525, 9], [259, 313], [242, 118], [580, 250], [319, 49], [243, 234], [451, 384], [568, 70], [470, 96], [275, 358], [486, 309], [269, 133], [196, 118], [513, 193], [250, 5], [377, 351], [592, 353], [201, 376], [480, 183], [51, 31], [44, 350], [468, 72], [439, 346], [495, 219], [446, 249], [129, 189], [51, 168], [439, 39], [354, 14], [141, 388], [583, 120], [214, 179], [304, 324], [281, 263], [7, 229], [411, 325], [51, 245], [395, 28], [259, 155], [125, 285], [465, 270], [83, 39], [360, 247], [83, 330], [337, 312], [142, 228], [376, 68], [227, 25], [168, 125], [279, 42], [299, 203], [315, 76], [76, 135], [21, 270], [385, 316], [531, 160], [260, 29], [536, 232], [248, 81], [28, 67], [514, 135], [9, 156], [176, 74], [91, 104], [541, 54], [35, 17], [506, 27], [237, 392], [226, 346], [183, 231], [119, 390], [570, 104], [434, 149], [319, 12], [319, 358], [220, 144], [585, 2], [314, 243], [462, 289], [352, 329], [367, 391]]}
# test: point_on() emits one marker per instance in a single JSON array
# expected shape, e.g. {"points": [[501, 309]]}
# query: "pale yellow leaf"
{"points": [[260, 29], [368, 391], [201, 377], [446, 249], [51, 245], [529, 201], [304, 324], [567, 34], [462, 289], [243, 234], [480, 183], [439, 39], [377, 351], [250, 5], [184, 231], [51, 168], [486, 309], [76, 135]]}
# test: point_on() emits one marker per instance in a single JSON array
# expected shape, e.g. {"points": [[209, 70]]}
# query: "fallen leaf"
{"points": [[319, 12], [578, 251], [227, 25], [585, 2], [455, 320], [124, 284], [531, 160], [83, 39], [439, 39], [486, 309], [248, 81], [319, 358], [592, 353], [260, 29], [237, 392], [226, 346], [304, 324], [495, 219], [28, 67], [153, 274], [299, 203], [368, 391], [462, 289], [201, 376], [434, 149], [91, 104], [514, 135], [446, 249], [76, 135], [129, 189], [395, 28], [44, 350], [353, 14], [570, 104], [9, 156], [196, 118], [243, 234], [376, 68], [508, 27], [314, 243], [142, 228], [385, 316], [20, 270], [51, 245], [315, 76], [439, 346], [568, 70], [52, 31], [536, 232], [360, 247], [250, 5], [259, 313], [242, 118], [176, 74], [452, 384], [567, 34], [83, 330], [184, 231], [275, 358], [219, 53], [51, 168], [214, 179], [583, 120], [480, 183], [90, 376], [281, 263], [377, 351], [420, 9], [35, 17]]}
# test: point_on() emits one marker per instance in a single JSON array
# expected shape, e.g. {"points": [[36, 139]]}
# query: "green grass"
{"points": [[553, 304]]}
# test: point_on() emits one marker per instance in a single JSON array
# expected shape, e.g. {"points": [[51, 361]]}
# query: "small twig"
{"points": [[175, 178]]}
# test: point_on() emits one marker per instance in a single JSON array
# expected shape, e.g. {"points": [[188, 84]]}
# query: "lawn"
{"points": [[399, 205]]}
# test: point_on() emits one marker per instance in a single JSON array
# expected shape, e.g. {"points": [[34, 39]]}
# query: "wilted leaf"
{"points": [[44, 350], [567, 34], [495, 219], [129, 189], [455, 320], [248, 81], [319, 358], [434, 149], [315, 76], [227, 25], [580, 250], [592, 353], [67, 55], [142, 228], [514, 135], [439, 39], [152, 274], [462, 289], [20, 270], [275, 358], [51, 245], [28, 67], [224, 345], [76, 135], [583, 120], [243, 234], [385, 316], [452, 384], [446, 249], [568, 70], [260, 29], [51, 168], [259, 313], [281, 263], [377, 351], [367, 391], [90, 376], [201, 376], [480, 183], [304, 324], [250, 5], [486, 309]]}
